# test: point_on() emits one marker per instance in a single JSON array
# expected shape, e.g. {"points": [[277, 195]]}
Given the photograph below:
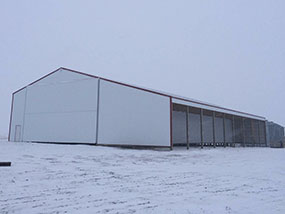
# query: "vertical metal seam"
{"points": [[97, 113]]}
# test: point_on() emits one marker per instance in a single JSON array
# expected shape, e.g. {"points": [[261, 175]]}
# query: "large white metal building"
{"points": [[68, 106]]}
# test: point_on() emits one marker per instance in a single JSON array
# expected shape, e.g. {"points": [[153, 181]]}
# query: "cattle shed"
{"points": [[68, 106]]}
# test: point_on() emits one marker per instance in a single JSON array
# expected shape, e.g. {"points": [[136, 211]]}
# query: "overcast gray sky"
{"points": [[230, 53]]}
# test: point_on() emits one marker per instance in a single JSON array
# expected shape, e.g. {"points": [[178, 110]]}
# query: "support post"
{"points": [[233, 131], [266, 137], [259, 139], [214, 129], [171, 115], [243, 132], [252, 140], [97, 113], [201, 128], [224, 129], [187, 126]]}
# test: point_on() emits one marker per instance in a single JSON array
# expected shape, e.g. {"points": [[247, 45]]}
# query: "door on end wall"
{"points": [[17, 136]]}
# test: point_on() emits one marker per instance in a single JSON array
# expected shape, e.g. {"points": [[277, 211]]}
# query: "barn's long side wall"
{"points": [[128, 116]]}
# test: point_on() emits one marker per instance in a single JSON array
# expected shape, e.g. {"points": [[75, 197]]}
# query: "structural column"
{"points": [[233, 131], [201, 128], [265, 135], [187, 126], [171, 118], [252, 138], [97, 113], [243, 132], [24, 116], [224, 130], [259, 139], [214, 128]]}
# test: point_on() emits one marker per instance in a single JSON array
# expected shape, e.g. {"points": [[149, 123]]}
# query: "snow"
{"points": [[48, 178]]}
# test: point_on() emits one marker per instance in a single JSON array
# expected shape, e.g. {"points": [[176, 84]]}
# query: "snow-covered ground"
{"points": [[91, 179]]}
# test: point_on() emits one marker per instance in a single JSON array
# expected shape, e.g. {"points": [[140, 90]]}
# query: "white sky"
{"points": [[230, 53]]}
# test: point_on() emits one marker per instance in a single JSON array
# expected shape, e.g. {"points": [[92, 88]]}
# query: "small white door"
{"points": [[17, 133]]}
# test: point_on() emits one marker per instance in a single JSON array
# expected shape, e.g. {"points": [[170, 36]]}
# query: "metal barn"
{"points": [[68, 106]]}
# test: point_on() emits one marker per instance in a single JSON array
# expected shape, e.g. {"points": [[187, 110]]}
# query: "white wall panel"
{"points": [[18, 115], [129, 116], [74, 127], [64, 97], [62, 111]]}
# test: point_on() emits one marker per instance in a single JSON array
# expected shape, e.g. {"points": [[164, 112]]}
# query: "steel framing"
{"points": [[225, 142]]}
